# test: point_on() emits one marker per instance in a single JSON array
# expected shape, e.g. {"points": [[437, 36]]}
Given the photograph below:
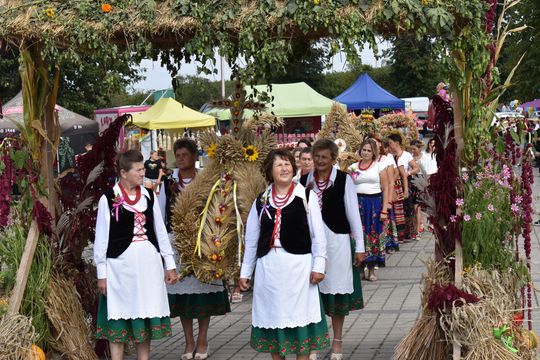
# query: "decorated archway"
{"points": [[262, 34]]}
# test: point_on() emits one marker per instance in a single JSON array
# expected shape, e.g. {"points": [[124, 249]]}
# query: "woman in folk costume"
{"points": [[386, 161], [189, 298], [285, 239], [336, 195], [406, 168], [369, 176], [130, 250]]}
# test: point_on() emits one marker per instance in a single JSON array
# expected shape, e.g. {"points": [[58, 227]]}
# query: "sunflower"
{"points": [[211, 151], [49, 12], [250, 153]]}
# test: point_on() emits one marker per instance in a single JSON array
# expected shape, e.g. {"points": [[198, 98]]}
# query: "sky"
{"points": [[157, 77]]}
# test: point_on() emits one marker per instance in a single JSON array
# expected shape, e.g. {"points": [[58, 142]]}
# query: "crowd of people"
{"points": [[310, 237]]}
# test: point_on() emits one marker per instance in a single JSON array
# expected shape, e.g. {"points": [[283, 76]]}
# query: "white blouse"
{"points": [[102, 232], [315, 223], [351, 207], [367, 181]]}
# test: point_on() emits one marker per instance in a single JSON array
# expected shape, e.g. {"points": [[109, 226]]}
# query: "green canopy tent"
{"points": [[295, 103]]}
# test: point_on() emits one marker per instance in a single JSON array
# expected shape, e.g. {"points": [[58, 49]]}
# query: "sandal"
{"points": [[313, 356], [236, 297], [337, 356], [187, 356]]}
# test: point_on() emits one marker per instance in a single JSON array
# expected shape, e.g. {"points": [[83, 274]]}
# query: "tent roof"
{"points": [[535, 104], [366, 93], [168, 113], [289, 100], [70, 122]]}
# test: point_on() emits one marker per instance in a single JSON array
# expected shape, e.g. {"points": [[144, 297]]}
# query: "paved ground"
{"points": [[392, 306]]}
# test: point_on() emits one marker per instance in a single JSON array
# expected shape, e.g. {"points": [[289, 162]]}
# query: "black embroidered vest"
{"points": [[333, 208], [121, 231], [294, 232]]}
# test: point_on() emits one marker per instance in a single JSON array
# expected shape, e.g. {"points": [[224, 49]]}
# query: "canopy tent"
{"points": [[168, 114], [70, 122], [367, 94], [531, 104], [288, 101]]}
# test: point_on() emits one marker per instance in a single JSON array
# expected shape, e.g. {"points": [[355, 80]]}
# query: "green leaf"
{"points": [[19, 157]]}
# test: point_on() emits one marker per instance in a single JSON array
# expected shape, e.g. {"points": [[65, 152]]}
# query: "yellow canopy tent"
{"points": [[169, 114]]}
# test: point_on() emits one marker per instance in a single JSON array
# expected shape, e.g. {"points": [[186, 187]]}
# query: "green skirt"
{"points": [[298, 340], [199, 306], [342, 304], [126, 330]]}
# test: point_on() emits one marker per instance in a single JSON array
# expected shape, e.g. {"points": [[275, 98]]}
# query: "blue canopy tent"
{"points": [[366, 93]]}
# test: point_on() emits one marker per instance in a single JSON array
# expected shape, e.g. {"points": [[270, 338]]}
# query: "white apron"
{"points": [[283, 297], [339, 275], [142, 296]]}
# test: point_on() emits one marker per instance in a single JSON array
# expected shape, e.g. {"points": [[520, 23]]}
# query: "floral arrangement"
{"points": [[210, 214], [404, 123]]}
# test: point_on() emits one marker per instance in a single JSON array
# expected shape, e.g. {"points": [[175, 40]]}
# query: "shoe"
{"points": [[202, 356], [536, 223], [313, 356], [334, 356], [373, 278], [187, 356], [421, 229]]}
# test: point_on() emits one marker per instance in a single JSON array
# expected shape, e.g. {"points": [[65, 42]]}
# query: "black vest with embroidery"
{"points": [[333, 208], [121, 231], [294, 232]]}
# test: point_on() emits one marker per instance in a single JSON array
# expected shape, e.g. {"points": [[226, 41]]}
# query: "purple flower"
{"points": [[515, 208], [467, 217], [491, 207], [465, 176], [453, 218], [478, 216], [460, 202], [477, 185]]}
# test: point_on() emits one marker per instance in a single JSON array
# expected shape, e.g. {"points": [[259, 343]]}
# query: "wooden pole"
{"points": [[458, 252], [24, 269]]}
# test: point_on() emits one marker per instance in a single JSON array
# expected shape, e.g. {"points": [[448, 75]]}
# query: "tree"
{"points": [[526, 80], [194, 91], [82, 89], [414, 70], [307, 64]]}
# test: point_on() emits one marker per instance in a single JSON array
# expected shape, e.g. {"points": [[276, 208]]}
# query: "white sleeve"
{"points": [[253, 230], [353, 215], [162, 201], [101, 241], [318, 237], [163, 238]]}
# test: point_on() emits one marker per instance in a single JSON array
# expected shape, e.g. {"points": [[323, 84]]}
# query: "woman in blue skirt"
{"points": [[370, 179]]}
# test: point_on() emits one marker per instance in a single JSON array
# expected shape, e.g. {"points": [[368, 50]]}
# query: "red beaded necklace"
{"points": [[322, 184], [181, 183], [278, 200], [126, 196], [367, 167]]}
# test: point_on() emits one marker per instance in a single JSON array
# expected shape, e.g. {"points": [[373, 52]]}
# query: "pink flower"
{"points": [[519, 199], [460, 202], [478, 216], [477, 185], [515, 208], [453, 218], [491, 207], [465, 176], [467, 217]]}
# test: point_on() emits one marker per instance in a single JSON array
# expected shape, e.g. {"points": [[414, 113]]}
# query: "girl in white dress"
{"points": [[341, 289], [130, 250], [285, 240]]}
